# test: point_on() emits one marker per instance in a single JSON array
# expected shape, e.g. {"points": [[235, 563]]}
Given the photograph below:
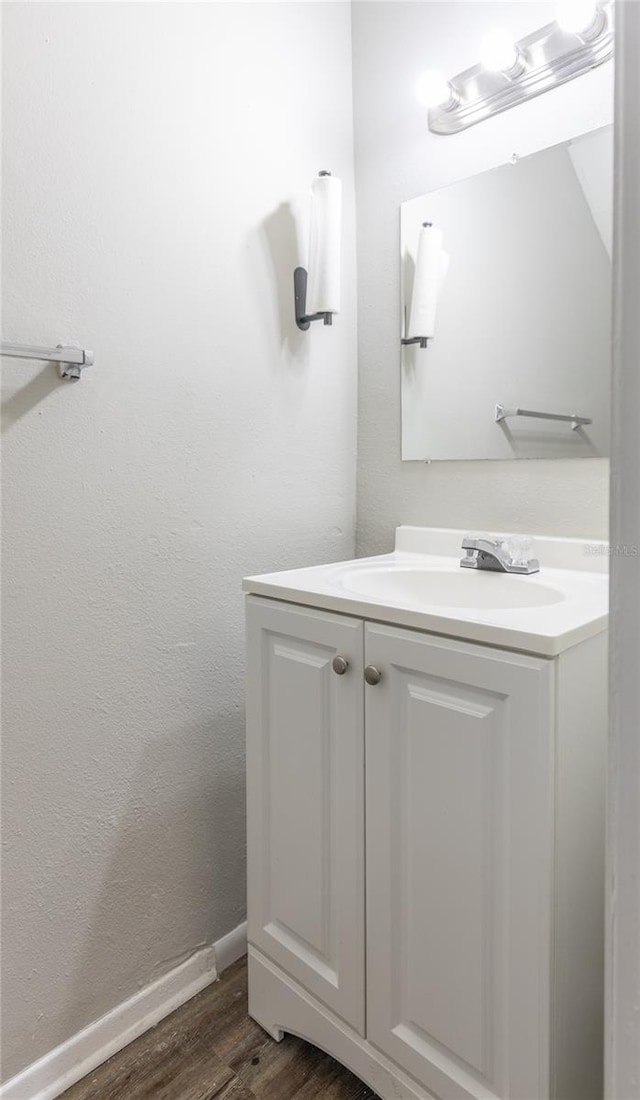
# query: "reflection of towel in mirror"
{"points": [[432, 264]]}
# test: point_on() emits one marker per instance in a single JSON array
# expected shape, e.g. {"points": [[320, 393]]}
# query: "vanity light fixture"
{"points": [[581, 38]]}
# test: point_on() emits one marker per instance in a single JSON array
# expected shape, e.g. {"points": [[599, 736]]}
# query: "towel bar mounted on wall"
{"points": [[71, 361], [323, 274], [570, 418]]}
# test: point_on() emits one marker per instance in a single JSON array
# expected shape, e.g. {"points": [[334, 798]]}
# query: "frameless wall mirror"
{"points": [[517, 360]]}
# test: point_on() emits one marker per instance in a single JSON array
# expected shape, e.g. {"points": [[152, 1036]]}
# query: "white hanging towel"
{"points": [[323, 288], [300, 213], [432, 264]]}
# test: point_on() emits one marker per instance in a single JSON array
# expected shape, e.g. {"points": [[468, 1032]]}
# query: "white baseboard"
{"points": [[82, 1053], [231, 947]]}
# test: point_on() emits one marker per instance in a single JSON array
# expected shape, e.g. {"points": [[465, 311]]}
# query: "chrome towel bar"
{"points": [[71, 360], [570, 418]]}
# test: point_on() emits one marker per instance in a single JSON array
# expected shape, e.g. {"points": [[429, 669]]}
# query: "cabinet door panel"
{"points": [[305, 744], [459, 846]]}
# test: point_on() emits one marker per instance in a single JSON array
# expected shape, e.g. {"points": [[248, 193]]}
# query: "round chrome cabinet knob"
{"points": [[372, 675], [339, 665]]}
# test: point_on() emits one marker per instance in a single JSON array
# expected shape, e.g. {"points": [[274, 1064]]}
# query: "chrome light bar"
{"points": [[548, 57]]}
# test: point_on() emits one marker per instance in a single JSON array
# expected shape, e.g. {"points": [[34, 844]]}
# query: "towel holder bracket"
{"points": [[71, 360], [304, 319], [421, 340]]}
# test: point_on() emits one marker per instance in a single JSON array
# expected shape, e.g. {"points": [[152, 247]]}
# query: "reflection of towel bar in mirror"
{"points": [[575, 421], [71, 361]]}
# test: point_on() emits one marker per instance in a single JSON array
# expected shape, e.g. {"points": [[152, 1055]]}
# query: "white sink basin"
{"points": [[468, 588], [422, 585]]}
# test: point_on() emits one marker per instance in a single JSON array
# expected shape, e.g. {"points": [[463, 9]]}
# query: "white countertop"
{"points": [[576, 569]]}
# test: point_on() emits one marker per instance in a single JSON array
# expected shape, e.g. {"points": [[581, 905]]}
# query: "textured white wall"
{"points": [[397, 158], [148, 150]]}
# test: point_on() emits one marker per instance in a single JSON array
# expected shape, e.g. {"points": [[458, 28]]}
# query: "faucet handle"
{"points": [[520, 549], [481, 542]]}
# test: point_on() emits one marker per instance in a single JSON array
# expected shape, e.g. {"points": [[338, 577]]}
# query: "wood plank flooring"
{"points": [[210, 1049]]}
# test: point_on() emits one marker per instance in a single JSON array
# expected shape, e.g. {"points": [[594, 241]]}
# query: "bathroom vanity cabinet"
{"points": [[426, 854]]}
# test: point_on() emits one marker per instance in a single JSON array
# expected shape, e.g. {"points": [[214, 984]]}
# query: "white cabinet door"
{"points": [[305, 793], [459, 745]]}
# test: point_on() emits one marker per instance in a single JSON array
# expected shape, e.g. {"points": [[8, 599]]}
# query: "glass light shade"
{"points": [[498, 52], [576, 16], [433, 89]]}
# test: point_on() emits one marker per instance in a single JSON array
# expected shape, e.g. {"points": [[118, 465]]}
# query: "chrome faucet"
{"points": [[500, 555]]}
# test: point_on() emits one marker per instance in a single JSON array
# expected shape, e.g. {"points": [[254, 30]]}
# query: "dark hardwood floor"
{"points": [[210, 1048]]}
